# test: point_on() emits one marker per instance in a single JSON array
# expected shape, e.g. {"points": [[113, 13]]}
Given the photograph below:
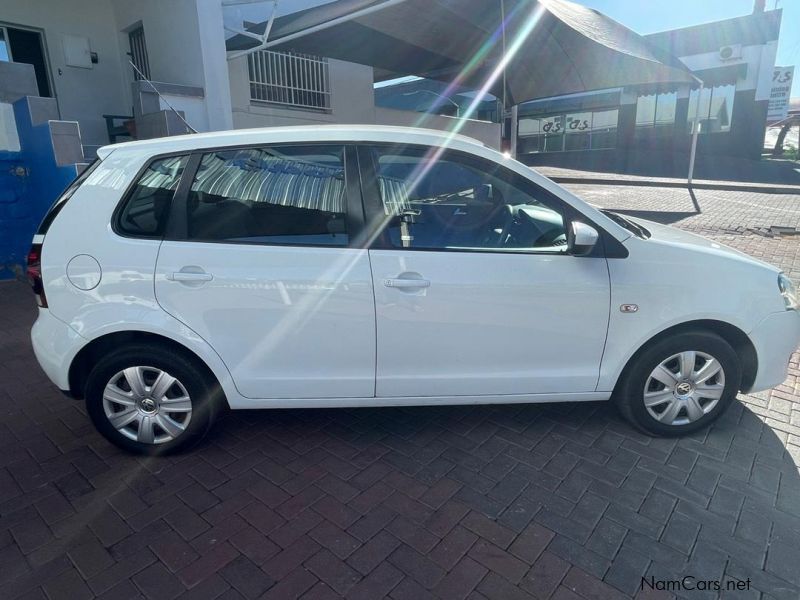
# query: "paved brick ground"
{"points": [[561, 501]]}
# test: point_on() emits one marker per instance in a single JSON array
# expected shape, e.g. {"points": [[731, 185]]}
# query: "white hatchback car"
{"points": [[379, 266]]}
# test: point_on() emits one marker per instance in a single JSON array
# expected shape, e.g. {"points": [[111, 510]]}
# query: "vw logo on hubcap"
{"points": [[684, 388], [148, 405]]}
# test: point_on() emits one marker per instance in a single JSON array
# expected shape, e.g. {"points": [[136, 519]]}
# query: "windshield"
{"points": [[634, 228]]}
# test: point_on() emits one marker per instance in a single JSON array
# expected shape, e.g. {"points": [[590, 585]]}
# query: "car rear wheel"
{"points": [[679, 383], [151, 400]]}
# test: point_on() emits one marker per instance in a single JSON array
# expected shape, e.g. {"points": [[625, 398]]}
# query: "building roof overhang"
{"points": [[552, 47]]}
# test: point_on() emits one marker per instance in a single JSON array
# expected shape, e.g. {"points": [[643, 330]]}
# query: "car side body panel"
{"points": [[674, 284], [489, 323], [124, 298], [289, 322]]}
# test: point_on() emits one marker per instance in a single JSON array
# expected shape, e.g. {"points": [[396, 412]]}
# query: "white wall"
{"points": [[83, 95], [185, 45], [9, 139], [171, 35], [760, 61], [194, 110], [352, 99]]}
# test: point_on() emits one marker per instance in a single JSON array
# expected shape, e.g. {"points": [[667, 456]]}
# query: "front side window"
{"points": [[278, 195], [147, 206], [458, 202]]}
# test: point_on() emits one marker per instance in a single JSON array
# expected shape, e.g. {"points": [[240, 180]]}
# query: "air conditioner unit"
{"points": [[731, 52]]}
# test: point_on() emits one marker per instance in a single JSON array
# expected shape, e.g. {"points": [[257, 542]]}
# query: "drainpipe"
{"points": [[695, 131], [514, 119]]}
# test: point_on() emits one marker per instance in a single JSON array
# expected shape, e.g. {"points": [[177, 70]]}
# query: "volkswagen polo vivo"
{"points": [[378, 266]]}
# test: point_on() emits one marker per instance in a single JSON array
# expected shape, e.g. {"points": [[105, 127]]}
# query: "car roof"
{"points": [[302, 133]]}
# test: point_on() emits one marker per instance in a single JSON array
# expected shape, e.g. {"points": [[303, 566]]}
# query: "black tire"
{"points": [[629, 394], [204, 392]]}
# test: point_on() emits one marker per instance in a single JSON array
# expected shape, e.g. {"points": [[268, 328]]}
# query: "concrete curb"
{"points": [[732, 187]]}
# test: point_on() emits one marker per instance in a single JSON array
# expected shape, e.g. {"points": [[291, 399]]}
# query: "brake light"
{"points": [[34, 273]]}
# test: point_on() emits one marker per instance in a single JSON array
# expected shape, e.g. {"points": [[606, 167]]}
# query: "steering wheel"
{"points": [[455, 223]]}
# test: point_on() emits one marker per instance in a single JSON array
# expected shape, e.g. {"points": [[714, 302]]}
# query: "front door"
{"points": [[475, 291], [264, 271]]}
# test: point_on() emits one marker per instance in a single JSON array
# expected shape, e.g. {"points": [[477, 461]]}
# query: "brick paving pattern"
{"points": [[497, 502]]}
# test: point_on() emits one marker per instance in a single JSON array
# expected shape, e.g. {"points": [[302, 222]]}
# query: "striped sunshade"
{"points": [[394, 193], [164, 173], [261, 176]]}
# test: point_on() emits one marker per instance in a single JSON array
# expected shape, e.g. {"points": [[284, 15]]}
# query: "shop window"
{"points": [[588, 130], [578, 131], [604, 129], [656, 111], [716, 109], [553, 129], [529, 138]]}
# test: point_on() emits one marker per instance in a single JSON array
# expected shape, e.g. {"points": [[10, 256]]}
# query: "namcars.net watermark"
{"points": [[690, 583]]}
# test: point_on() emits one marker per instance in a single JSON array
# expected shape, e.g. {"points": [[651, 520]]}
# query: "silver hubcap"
{"points": [[684, 388], [147, 405]]}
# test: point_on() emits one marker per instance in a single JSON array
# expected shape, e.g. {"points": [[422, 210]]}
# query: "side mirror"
{"points": [[582, 238]]}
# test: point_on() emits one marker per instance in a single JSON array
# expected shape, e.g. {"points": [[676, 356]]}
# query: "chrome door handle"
{"points": [[189, 276], [406, 283]]}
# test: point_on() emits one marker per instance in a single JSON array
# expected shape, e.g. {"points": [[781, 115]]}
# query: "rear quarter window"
{"points": [[145, 210]]}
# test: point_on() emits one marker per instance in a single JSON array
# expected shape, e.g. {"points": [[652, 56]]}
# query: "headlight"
{"points": [[788, 291]]}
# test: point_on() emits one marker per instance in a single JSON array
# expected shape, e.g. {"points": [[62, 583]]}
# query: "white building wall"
{"points": [[759, 59], [185, 45], [83, 95], [352, 99]]}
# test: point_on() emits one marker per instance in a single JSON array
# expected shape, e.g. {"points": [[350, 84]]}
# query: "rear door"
{"points": [[475, 290], [259, 261]]}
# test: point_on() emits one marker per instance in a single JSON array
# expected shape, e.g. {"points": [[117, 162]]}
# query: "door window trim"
{"points": [[177, 226], [607, 247]]}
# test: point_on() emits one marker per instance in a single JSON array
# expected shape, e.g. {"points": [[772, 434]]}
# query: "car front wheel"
{"points": [[679, 383], [151, 400]]}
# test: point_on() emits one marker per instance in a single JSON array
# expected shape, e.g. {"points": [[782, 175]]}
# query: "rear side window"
{"points": [[64, 198], [292, 195], [147, 205]]}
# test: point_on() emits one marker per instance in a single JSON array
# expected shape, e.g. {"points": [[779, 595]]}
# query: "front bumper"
{"points": [[775, 339], [55, 344]]}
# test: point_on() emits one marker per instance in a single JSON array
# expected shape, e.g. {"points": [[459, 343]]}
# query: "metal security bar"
{"points": [[289, 78], [139, 53]]}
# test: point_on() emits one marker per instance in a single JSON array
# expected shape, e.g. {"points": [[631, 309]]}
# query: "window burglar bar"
{"points": [[139, 53], [289, 78]]}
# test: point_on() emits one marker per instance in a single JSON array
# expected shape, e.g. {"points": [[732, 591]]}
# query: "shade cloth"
{"points": [[556, 47]]}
